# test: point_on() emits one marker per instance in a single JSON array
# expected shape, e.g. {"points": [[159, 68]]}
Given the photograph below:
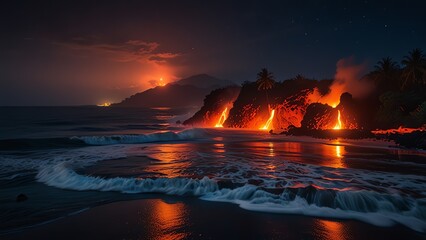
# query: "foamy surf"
{"points": [[12, 167], [62, 176], [367, 206]]}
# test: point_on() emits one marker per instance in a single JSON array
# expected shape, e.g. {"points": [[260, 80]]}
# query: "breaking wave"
{"points": [[189, 134], [82, 141], [62, 176], [375, 208]]}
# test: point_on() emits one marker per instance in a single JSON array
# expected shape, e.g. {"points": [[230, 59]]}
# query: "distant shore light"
{"points": [[105, 104]]}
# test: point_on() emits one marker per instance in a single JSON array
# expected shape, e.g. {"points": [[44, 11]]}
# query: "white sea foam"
{"points": [[386, 210], [188, 134], [12, 166], [371, 207], [62, 176], [288, 174]]}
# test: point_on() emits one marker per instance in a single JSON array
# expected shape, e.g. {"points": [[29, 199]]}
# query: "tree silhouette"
{"points": [[299, 77], [385, 73], [414, 68], [265, 81]]}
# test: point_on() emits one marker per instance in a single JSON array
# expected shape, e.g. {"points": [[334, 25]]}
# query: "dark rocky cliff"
{"points": [[289, 98], [214, 104]]}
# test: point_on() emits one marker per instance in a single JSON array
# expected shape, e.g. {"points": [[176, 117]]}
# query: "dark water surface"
{"points": [[73, 158]]}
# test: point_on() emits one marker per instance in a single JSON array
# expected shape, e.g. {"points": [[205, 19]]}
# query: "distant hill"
{"points": [[187, 92]]}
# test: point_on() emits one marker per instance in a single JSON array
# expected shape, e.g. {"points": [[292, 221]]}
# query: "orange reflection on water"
{"points": [[169, 219], [218, 148], [292, 147], [271, 150], [336, 153], [271, 153], [330, 230], [339, 151], [263, 149], [170, 158], [170, 152], [292, 151]]}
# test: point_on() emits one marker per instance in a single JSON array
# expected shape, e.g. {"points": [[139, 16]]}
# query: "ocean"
{"points": [[67, 160]]}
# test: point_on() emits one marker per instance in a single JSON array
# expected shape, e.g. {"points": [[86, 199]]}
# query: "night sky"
{"points": [[88, 52]]}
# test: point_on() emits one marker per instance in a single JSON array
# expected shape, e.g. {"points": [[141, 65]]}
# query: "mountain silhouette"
{"points": [[187, 92]]}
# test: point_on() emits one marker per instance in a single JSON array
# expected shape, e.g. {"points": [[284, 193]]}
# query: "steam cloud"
{"points": [[348, 78]]}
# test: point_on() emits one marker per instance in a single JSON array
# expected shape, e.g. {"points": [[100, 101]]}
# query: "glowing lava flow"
{"points": [[222, 119], [339, 123], [268, 123], [400, 130]]}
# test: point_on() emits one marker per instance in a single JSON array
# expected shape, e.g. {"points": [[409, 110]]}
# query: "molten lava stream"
{"points": [[222, 119], [268, 123], [339, 122]]}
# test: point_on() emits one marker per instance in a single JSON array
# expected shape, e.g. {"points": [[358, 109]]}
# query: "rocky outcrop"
{"points": [[319, 116], [295, 104], [289, 99], [291, 111], [214, 105], [322, 116], [21, 198]]}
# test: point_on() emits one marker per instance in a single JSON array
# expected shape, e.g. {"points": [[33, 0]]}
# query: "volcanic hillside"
{"points": [[187, 92]]}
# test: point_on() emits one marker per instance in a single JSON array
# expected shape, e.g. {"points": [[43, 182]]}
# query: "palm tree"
{"points": [[385, 73], [299, 77], [414, 68], [265, 81]]}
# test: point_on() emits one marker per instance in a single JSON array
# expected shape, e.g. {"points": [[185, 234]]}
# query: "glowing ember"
{"points": [[339, 123], [222, 119], [106, 104], [268, 123]]}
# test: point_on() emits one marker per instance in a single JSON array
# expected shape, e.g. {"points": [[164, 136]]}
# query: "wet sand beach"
{"points": [[190, 218]]}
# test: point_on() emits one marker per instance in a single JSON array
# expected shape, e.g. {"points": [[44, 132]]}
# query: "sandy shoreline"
{"points": [[165, 217]]}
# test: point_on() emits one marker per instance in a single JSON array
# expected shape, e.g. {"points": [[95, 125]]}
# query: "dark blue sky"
{"points": [[87, 52]]}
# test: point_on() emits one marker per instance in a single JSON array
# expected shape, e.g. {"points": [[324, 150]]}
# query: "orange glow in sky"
{"points": [[157, 76], [161, 83]]}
